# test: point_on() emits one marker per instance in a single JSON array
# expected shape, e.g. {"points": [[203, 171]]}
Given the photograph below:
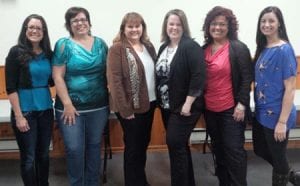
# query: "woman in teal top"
{"points": [[28, 77], [81, 106], [84, 76]]}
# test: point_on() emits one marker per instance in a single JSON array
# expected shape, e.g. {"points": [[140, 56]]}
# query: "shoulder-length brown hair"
{"points": [[132, 17], [184, 24]]}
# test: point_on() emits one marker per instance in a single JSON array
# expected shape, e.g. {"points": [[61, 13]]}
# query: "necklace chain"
{"points": [[169, 51]]}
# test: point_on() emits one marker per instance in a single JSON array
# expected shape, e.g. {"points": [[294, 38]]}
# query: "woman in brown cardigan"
{"points": [[130, 74]]}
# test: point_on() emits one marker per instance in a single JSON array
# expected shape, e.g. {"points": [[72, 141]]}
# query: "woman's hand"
{"points": [[186, 109], [280, 131], [239, 112], [22, 124], [287, 102], [69, 114], [130, 117], [21, 121]]}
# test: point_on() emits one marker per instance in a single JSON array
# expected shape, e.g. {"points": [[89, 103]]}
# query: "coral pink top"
{"points": [[219, 94]]}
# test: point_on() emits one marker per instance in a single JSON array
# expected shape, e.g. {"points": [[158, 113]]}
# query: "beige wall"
{"points": [[106, 17]]}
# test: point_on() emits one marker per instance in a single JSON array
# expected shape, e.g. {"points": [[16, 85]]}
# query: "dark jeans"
{"points": [[179, 129], [272, 151], [34, 146], [227, 140], [136, 136]]}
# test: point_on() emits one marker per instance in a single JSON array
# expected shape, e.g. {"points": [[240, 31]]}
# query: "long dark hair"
{"points": [[26, 46], [261, 40], [230, 17]]}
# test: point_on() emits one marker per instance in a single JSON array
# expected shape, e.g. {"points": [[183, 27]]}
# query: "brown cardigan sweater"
{"points": [[118, 78]]}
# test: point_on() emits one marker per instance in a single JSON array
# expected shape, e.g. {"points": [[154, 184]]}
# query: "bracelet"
{"points": [[240, 107], [282, 122], [19, 117]]}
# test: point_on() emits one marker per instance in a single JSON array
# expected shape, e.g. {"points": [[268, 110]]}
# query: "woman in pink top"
{"points": [[229, 75]]}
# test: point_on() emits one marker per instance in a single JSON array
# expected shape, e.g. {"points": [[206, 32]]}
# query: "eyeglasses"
{"points": [[76, 21], [220, 24], [32, 28]]}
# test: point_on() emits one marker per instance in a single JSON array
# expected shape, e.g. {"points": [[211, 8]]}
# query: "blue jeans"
{"points": [[83, 146], [34, 146], [227, 140]]}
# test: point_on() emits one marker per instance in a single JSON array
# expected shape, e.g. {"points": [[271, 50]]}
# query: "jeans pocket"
{"points": [[29, 115], [26, 114]]}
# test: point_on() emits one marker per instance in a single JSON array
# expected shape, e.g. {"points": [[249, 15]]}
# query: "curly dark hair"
{"points": [[230, 17]]}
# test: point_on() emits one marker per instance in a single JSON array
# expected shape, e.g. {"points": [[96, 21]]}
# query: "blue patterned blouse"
{"points": [[274, 65]]}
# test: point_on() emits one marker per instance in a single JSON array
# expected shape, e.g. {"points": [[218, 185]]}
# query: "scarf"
{"points": [[134, 78]]}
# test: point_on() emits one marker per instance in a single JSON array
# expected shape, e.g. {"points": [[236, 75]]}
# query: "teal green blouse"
{"points": [[85, 74], [37, 98]]}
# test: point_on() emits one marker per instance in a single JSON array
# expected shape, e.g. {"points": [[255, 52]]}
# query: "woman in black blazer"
{"points": [[227, 94], [180, 75]]}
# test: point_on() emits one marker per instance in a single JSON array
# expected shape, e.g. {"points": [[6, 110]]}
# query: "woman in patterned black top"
{"points": [[180, 75]]}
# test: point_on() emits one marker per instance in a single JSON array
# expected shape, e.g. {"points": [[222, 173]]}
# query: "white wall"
{"points": [[106, 17]]}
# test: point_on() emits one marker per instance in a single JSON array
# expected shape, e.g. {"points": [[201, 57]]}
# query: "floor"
{"points": [[259, 172]]}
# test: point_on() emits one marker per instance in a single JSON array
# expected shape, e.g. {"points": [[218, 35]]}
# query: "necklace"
{"points": [[37, 50], [170, 51]]}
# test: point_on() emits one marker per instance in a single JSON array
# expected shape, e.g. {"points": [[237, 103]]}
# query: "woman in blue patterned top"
{"points": [[275, 84], [28, 77], [81, 106]]}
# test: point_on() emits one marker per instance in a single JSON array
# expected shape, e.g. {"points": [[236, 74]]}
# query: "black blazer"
{"points": [[187, 75], [242, 73]]}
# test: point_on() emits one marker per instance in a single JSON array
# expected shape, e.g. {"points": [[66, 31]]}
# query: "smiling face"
{"points": [[269, 25], [34, 31], [80, 25], [133, 31], [218, 28], [174, 28]]}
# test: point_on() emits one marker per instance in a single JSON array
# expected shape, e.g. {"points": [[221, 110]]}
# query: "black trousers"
{"points": [[272, 151], [137, 135], [179, 129], [227, 140]]}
